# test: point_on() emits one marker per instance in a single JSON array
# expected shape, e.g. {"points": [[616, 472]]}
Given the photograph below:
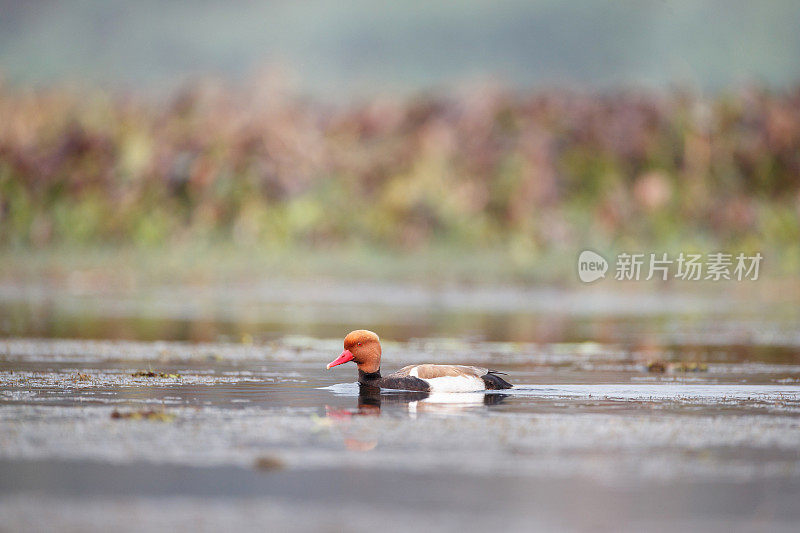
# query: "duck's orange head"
{"points": [[364, 348]]}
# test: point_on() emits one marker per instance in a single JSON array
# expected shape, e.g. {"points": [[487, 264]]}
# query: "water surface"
{"points": [[587, 435], [657, 412]]}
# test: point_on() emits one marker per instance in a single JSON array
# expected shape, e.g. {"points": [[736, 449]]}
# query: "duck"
{"points": [[363, 347]]}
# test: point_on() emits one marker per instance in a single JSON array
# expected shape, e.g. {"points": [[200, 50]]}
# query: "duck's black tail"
{"points": [[495, 382]]}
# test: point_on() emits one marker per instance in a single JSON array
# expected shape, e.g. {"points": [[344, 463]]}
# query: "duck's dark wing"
{"points": [[400, 381]]}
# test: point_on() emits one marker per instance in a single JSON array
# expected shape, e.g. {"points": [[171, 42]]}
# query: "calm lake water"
{"points": [[657, 412]]}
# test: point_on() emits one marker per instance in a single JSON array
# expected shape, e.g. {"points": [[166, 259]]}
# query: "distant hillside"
{"points": [[362, 47]]}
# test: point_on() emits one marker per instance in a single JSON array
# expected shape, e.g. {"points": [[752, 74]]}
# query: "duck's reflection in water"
{"points": [[371, 402]]}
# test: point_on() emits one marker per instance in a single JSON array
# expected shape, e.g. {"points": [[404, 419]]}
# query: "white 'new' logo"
{"points": [[591, 266]]}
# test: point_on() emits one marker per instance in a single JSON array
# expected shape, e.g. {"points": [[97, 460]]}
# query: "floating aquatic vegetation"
{"points": [[659, 367], [268, 462], [154, 374], [145, 414]]}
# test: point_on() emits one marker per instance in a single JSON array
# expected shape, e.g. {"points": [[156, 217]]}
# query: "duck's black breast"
{"points": [[392, 381]]}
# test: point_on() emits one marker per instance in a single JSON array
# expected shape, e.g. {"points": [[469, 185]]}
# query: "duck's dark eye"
{"points": [[359, 344]]}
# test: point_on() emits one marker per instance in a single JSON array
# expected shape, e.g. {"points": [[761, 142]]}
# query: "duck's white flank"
{"points": [[465, 383]]}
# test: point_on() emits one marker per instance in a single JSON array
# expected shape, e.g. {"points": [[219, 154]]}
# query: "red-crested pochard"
{"points": [[364, 348]]}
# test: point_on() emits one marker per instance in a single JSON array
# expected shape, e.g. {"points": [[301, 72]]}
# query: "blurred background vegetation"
{"points": [[649, 126]]}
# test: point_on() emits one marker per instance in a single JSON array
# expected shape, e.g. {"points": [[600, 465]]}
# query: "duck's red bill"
{"points": [[345, 357]]}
